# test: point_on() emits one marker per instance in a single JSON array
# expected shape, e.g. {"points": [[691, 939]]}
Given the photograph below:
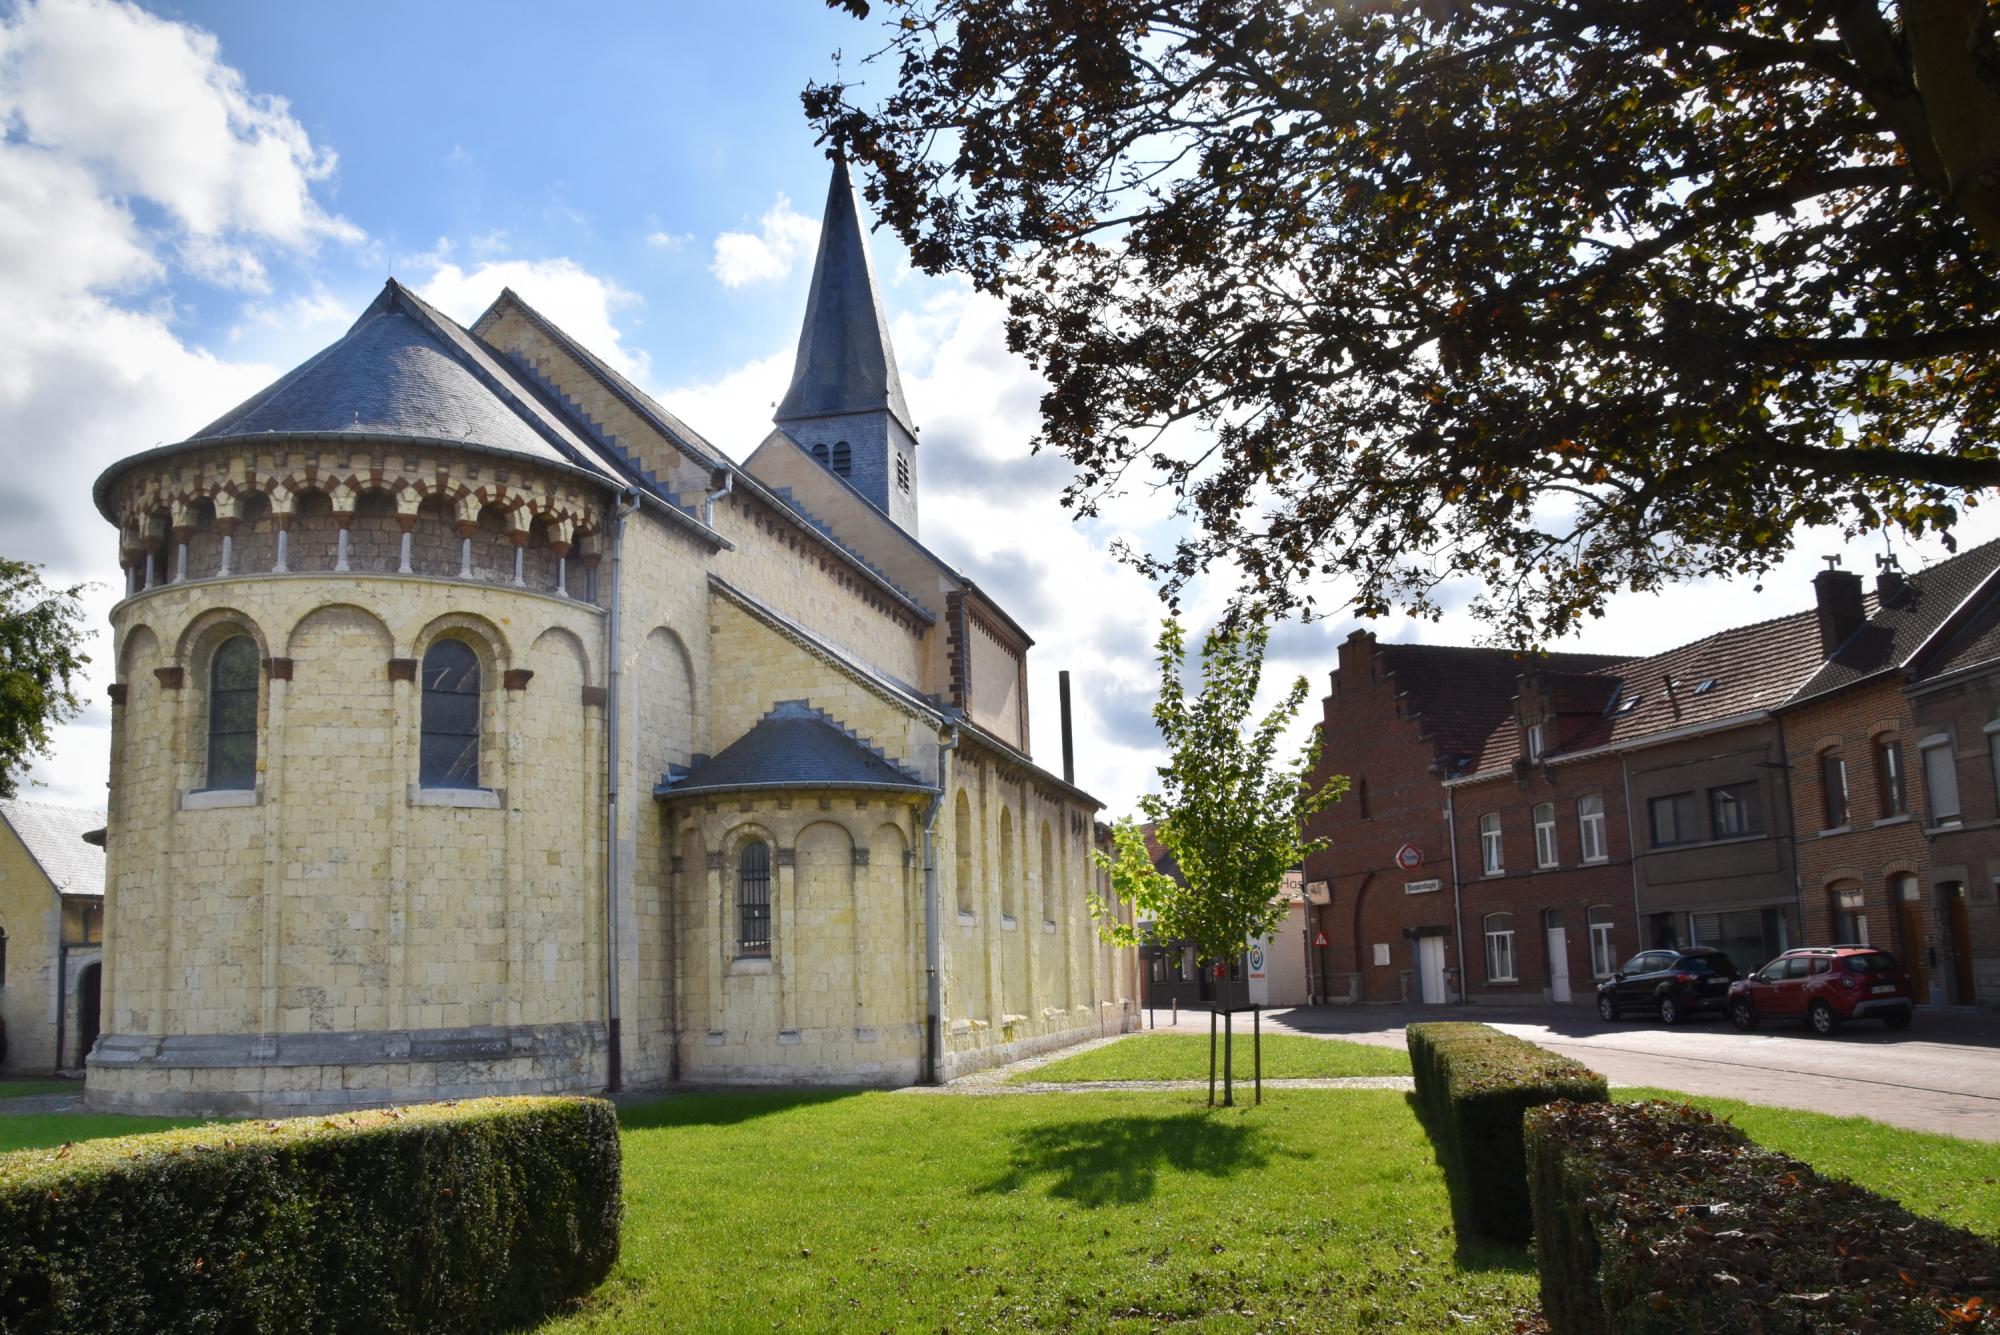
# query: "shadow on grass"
{"points": [[1117, 1160], [1473, 1252], [721, 1107]]}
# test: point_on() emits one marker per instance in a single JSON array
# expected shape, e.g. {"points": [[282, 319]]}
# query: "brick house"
{"points": [[1955, 705], [1399, 720], [1876, 795]]}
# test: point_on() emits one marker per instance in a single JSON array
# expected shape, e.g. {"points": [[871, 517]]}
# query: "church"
{"points": [[479, 727]]}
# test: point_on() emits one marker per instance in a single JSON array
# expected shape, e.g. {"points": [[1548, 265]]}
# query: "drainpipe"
{"points": [[1631, 850], [708, 503], [933, 929], [1457, 911], [628, 501]]}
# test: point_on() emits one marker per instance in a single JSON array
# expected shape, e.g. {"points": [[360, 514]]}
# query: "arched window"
{"points": [[232, 714], [1545, 835], [450, 756], [753, 899], [1048, 875], [3, 957], [843, 458], [1590, 827], [1010, 898], [1500, 948], [820, 453], [1603, 959], [961, 843], [1833, 789], [1361, 796]]}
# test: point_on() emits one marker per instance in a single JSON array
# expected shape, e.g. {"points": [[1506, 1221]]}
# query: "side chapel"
{"points": [[479, 727]]}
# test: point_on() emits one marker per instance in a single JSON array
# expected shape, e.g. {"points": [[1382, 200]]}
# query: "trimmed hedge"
{"points": [[1473, 1084], [463, 1216], [1655, 1218]]}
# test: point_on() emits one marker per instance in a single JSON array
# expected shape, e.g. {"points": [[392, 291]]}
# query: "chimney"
{"points": [[1840, 612], [1069, 749], [1889, 585]]}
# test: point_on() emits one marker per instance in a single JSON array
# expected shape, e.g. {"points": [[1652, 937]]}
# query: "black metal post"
{"points": [[1211, 1059], [1257, 1047], [1228, 1033]]}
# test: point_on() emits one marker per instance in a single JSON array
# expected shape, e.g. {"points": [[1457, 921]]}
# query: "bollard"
{"points": [[1257, 1048], [1177, 1012], [1228, 1033]]}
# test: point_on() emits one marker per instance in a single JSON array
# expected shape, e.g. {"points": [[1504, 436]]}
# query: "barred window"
{"points": [[232, 714], [753, 899], [450, 753], [903, 472]]}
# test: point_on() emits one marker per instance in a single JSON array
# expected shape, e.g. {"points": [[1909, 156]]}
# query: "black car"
{"points": [[1673, 984]]}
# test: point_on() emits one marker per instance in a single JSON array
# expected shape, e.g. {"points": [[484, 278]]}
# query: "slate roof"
{"points": [[53, 837], [793, 746], [845, 363], [1975, 644], [403, 369], [1461, 695], [1743, 670], [1895, 633]]}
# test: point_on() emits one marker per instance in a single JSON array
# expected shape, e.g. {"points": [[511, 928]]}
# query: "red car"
{"points": [[1825, 986]]}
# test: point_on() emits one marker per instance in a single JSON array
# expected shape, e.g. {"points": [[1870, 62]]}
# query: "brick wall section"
{"points": [[1966, 855], [1872, 849], [1528, 899], [1394, 798]]}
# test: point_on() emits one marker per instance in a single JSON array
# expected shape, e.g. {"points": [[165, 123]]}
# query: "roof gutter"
{"points": [[1645, 742]]}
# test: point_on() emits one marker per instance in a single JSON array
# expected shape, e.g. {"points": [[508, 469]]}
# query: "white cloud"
{"points": [[109, 115], [669, 241], [317, 311], [734, 411], [150, 110], [581, 303], [768, 254]]}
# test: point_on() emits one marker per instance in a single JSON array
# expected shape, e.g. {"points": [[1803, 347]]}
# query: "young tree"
{"points": [[1568, 296], [1229, 811], [41, 634]]}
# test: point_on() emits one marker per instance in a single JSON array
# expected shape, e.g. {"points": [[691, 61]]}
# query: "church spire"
{"points": [[845, 403]]}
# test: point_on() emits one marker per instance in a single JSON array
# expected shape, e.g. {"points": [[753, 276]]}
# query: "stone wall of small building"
{"points": [[31, 919]]}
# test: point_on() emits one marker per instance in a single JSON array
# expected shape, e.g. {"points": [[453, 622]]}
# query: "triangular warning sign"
{"points": [[1319, 938]]}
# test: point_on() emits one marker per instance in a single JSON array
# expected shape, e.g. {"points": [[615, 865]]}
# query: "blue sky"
{"points": [[194, 198]]}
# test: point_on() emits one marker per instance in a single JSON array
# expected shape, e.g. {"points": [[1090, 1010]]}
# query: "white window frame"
{"points": [[1590, 829], [1545, 834], [1534, 741], [1941, 799], [1993, 751], [1492, 854], [1603, 957], [1500, 941]]}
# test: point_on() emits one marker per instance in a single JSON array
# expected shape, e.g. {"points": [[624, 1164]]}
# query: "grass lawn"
{"points": [[40, 1131], [1942, 1176], [1157, 1056], [1321, 1211], [1127, 1210], [21, 1089]]}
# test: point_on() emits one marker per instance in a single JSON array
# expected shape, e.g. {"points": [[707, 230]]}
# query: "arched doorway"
{"points": [[89, 995]]}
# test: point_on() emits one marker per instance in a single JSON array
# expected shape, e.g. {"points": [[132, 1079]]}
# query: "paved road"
{"points": [[1942, 1074]]}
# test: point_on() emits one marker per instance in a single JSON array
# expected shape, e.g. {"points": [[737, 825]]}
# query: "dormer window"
{"points": [[1534, 741]]}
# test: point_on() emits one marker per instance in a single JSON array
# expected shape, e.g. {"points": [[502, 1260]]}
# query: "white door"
{"points": [[1430, 970], [1558, 965]]}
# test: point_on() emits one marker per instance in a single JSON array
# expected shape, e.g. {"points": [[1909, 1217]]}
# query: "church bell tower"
{"points": [[845, 403]]}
